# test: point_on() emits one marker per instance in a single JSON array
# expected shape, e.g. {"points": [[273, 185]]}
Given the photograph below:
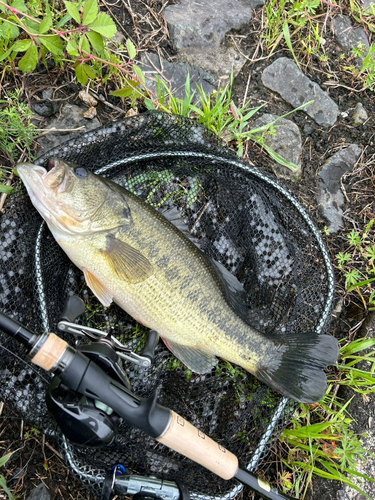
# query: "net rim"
{"points": [[257, 453]]}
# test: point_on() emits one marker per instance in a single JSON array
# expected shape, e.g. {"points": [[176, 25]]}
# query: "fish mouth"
{"points": [[54, 177]]}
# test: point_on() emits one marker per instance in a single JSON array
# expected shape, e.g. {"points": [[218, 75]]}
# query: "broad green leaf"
{"points": [[138, 72], [104, 25], [149, 104], [81, 74], [72, 48], [8, 30], [53, 44], [32, 26], [21, 45], [4, 459], [6, 189], [132, 83], [84, 44], [73, 11], [122, 92], [96, 41], [90, 11], [45, 24], [89, 71], [131, 49], [20, 5], [29, 60]]}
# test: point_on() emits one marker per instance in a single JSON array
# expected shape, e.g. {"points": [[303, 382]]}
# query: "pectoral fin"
{"points": [[195, 359], [127, 262], [98, 289]]}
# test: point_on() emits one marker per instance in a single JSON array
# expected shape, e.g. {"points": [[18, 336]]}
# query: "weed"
{"points": [[357, 264], [3, 483], [363, 16], [77, 35], [33, 432], [16, 134], [349, 373], [218, 113], [286, 20], [319, 439], [367, 71], [16, 131]]}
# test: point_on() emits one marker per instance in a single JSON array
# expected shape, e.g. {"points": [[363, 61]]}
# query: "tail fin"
{"points": [[296, 370]]}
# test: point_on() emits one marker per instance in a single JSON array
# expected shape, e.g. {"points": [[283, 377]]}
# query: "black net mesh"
{"points": [[242, 219]]}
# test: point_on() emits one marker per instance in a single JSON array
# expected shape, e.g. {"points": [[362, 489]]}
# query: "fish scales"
{"points": [[132, 255]]}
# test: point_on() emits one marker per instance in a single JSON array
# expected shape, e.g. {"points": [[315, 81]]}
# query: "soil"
{"points": [[35, 458]]}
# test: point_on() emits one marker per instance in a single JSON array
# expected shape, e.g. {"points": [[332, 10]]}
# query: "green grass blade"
{"points": [[3, 485], [288, 41]]}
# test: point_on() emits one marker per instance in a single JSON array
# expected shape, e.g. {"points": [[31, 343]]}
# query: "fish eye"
{"points": [[80, 172]]}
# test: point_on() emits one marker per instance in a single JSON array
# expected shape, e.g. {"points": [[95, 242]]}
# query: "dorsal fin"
{"points": [[173, 215], [233, 289]]}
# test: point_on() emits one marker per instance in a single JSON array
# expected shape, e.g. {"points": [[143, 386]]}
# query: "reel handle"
{"points": [[73, 308]]}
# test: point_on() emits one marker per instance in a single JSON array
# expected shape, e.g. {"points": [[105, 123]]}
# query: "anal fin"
{"points": [[195, 359], [97, 288]]}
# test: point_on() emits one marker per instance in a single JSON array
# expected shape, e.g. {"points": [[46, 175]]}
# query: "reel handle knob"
{"points": [[151, 342], [74, 307]]}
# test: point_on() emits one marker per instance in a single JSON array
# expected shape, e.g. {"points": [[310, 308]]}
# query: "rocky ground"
{"points": [[331, 140]]}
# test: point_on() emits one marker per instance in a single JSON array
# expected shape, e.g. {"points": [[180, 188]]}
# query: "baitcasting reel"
{"points": [[83, 420]]}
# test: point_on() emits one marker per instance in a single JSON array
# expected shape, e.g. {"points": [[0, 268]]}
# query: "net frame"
{"points": [[216, 153]]}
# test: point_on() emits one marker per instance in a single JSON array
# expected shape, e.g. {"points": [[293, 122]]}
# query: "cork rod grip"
{"points": [[50, 352], [194, 444]]}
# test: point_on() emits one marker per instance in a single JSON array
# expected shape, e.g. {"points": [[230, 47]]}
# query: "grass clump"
{"points": [[16, 135], [218, 112], [320, 440], [357, 265], [288, 19]]}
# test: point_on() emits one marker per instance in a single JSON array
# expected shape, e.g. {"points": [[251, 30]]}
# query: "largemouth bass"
{"points": [[133, 255]]}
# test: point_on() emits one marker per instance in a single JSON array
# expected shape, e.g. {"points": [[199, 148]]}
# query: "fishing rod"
{"points": [[83, 375]]}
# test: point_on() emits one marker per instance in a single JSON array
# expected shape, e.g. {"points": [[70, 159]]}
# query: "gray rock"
{"points": [[284, 77], [359, 115], [47, 94], [39, 493], [218, 61], [193, 23], [348, 37], [341, 495], [331, 199], [175, 73], [43, 108], [71, 117], [198, 29], [286, 142]]}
